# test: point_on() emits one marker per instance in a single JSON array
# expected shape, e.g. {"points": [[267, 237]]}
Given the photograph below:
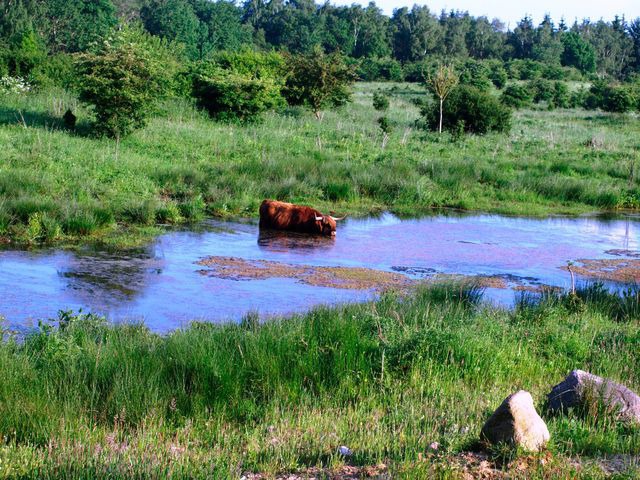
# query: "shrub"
{"points": [[240, 86], [524, 69], [578, 98], [380, 101], [498, 75], [516, 96], [54, 71], [376, 69], [561, 97], [479, 111], [318, 80], [619, 99], [28, 52], [541, 89], [385, 125], [475, 74], [124, 80], [4, 57], [413, 72], [597, 94], [610, 98], [553, 72]]}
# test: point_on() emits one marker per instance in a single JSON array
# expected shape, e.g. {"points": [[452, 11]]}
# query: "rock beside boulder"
{"points": [[517, 423], [582, 389]]}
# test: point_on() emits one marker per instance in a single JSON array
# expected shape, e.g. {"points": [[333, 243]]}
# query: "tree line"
{"points": [[35, 35]]}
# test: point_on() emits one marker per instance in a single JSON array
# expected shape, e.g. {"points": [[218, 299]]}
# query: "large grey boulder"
{"points": [[517, 423], [583, 389]]}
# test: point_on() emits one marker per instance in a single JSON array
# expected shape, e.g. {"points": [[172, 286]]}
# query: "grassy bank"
{"points": [[386, 378], [56, 185]]}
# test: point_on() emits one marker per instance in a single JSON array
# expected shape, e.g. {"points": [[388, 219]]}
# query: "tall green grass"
{"points": [[184, 166], [89, 399]]}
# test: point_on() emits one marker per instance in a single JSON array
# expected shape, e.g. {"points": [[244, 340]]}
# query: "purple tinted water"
{"points": [[160, 284]]}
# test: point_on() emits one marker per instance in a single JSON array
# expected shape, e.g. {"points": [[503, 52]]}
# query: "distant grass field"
{"points": [[58, 186], [93, 400]]}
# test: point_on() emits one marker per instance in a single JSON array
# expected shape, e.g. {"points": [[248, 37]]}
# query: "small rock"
{"points": [[580, 388], [517, 423], [344, 451]]}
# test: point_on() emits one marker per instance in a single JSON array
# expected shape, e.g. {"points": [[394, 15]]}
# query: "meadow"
{"points": [[59, 186], [89, 399], [83, 398]]}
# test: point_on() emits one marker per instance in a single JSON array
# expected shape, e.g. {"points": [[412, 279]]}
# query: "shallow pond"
{"points": [[164, 285]]}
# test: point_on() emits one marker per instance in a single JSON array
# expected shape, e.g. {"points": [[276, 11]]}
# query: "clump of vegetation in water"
{"points": [[383, 378]]}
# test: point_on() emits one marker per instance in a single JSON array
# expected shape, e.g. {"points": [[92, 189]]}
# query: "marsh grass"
{"points": [[82, 398], [184, 166]]}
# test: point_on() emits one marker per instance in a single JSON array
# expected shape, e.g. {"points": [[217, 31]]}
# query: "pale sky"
{"points": [[510, 11]]}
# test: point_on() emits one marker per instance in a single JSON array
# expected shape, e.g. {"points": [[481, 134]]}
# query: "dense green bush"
{"points": [[240, 86], [517, 96], [475, 74], [478, 111], [54, 71], [541, 89], [597, 94], [561, 96], [123, 80], [524, 69], [611, 97], [498, 74], [4, 59], [25, 54], [318, 80], [413, 72], [578, 98], [380, 69], [619, 99], [553, 72], [380, 101]]}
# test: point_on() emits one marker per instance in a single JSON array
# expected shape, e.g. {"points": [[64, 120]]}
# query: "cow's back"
{"points": [[286, 216]]}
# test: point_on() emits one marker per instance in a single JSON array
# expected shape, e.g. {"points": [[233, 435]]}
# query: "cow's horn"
{"points": [[318, 219], [337, 219]]}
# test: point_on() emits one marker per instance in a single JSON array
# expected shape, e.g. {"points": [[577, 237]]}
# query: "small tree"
{"points": [[442, 83], [578, 53], [124, 79], [318, 80]]}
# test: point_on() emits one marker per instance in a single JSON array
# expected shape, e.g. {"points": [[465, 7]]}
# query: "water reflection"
{"points": [[279, 241], [110, 277]]}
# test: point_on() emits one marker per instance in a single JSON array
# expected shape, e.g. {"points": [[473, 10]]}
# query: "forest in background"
{"points": [[36, 36]]}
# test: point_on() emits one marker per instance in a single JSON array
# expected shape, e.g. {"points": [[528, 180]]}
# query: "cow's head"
{"points": [[328, 224]]}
